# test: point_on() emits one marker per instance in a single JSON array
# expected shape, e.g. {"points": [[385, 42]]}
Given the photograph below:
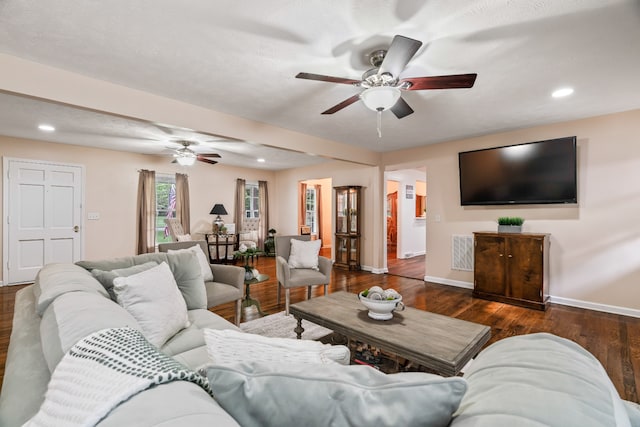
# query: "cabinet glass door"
{"points": [[353, 204], [341, 211]]}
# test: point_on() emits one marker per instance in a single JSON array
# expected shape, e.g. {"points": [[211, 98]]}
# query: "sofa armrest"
{"points": [[229, 274]]}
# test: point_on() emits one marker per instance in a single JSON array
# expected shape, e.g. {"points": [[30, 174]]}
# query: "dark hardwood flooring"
{"points": [[613, 339], [408, 267]]}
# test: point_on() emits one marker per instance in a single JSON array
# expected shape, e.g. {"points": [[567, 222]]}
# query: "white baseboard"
{"points": [[588, 305], [373, 270], [450, 282], [1, 283], [614, 309]]}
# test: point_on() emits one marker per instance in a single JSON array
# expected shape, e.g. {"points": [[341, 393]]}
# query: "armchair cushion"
{"points": [[183, 237], [304, 254]]}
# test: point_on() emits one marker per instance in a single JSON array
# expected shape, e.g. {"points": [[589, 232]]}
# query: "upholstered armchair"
{"points": [[228, 280], [296, 277], [176, 231], [248, 233]]}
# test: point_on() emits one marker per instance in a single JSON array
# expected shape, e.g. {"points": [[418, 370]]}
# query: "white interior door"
{"points": [[44, 205]]}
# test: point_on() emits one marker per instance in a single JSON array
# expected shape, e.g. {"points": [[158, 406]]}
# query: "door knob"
{"points": [[76, 228]]}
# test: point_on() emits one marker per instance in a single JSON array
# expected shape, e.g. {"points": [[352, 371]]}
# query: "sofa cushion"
{"points": [[184, 266], [54, 280], [538, 379], [333, 394], [192, 336], [176, 404], [153, 299], [73, 316], [106, 277], [205, 269]]}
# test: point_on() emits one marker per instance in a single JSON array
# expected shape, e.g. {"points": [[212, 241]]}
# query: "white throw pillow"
{"points": [[205, 268], [153, 299], [296, 394], [184, 238], [304, 254], [227, 347]]}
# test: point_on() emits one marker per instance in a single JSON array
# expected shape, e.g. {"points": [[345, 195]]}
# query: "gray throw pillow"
{"points": [[294, 394], [186, 271], [106, 277]]}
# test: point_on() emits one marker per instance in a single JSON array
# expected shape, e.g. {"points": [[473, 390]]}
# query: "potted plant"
{"points": [[510, 224]]}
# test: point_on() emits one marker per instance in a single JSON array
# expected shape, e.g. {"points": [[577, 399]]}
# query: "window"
{"points": [[165, 205], [311, 216], [251, 201]]}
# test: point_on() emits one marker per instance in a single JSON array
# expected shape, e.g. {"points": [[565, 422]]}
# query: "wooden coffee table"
{"points": [[439, 343]]}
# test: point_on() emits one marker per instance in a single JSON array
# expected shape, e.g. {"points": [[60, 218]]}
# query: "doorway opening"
{"points": [[405, 211]]}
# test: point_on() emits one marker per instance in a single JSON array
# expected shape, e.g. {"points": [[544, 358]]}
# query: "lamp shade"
{"points": [[218, 209], [380, 98]]}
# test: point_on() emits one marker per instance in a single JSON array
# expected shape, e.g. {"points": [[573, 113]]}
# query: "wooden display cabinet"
{"points": [[512, 268], [347, 237]]}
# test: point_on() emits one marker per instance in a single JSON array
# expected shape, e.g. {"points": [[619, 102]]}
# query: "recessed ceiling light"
{"points": [[46, 128], [261, 160], [560, 93]]}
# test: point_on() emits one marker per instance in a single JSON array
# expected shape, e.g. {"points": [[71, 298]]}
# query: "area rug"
{"points": [[280, 326]]}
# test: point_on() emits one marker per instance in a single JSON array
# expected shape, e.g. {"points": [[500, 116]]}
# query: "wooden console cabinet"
{"points": [[512, 268]]}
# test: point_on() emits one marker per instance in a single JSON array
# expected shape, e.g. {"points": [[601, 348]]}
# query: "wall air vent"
{"points": [[461, 252]]}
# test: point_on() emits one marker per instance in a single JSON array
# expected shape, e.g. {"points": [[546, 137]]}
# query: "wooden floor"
{"points": [[413, 267], [613, 339]]}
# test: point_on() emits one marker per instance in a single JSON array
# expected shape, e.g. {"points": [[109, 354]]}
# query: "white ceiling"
{"points": [[240, 58]]}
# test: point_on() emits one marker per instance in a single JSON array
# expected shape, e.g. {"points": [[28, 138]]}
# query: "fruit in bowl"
{"points": [[381, 303]]}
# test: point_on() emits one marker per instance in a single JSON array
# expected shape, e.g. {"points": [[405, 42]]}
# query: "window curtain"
{"points": [[319, 210], [239, 204], [183, 213], [302, 210], [146, 212], [263, 212]]}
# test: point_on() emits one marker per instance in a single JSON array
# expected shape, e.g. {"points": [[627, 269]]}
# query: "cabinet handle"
{"points": [[501, 255], [510, 256]]}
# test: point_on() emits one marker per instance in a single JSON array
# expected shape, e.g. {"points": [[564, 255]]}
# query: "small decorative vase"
{"points": [[248, 275], [509, 229]]}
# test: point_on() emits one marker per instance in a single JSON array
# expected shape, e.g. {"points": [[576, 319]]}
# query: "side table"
{"points": [[247, 300], [220, 247]]}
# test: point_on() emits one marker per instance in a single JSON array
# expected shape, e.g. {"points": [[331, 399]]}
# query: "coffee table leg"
{"points": [[299, 329]]}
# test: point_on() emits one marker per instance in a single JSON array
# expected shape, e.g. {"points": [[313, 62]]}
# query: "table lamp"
{"points": [[218, 209]]}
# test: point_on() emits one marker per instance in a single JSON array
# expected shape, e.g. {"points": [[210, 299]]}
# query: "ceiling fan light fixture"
{"points": [[186, 159], [380, 98]]}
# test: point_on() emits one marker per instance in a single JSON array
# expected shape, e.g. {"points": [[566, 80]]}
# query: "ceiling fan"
{"points": [[185, 156], [383, 84]]}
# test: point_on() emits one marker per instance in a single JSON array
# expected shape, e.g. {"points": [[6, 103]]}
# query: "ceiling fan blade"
{"points": [[216, 155], [399, 54], [343, 104], [401, 108], [454, 81], [205, 160], [310, 76]]}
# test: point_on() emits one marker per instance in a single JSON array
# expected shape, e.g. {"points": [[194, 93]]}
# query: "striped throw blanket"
{"points": [[103, 370]]}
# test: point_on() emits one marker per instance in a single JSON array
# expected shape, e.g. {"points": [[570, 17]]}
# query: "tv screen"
{"points": [[531, 173]]}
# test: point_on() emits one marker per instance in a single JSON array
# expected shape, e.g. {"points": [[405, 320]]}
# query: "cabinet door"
{"points": [[524, 268], [342, 213], [489, 265], [342, 250]]}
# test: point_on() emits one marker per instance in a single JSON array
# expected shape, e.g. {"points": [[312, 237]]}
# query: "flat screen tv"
{"points": [[532, 173]]}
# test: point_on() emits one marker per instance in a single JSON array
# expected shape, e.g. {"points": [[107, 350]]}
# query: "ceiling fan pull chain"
{"points": [[379, 122]]}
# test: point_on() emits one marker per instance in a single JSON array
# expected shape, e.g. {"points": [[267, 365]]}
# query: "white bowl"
{"points": [[381, 309]]}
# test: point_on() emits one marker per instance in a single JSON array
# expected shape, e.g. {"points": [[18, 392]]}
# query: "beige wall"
{"points": [[595, 245], [111, 183]]}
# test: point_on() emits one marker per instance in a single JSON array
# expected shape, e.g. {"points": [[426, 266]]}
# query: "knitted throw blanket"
{"points": [[103, 370]]}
